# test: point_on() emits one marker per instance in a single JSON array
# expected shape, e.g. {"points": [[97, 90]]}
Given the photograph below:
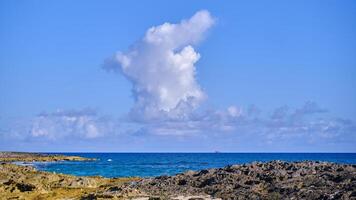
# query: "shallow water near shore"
{"points": [[156, 164]]}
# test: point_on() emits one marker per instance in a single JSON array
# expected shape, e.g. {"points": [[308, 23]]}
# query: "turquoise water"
{"points": [[155, 164]]}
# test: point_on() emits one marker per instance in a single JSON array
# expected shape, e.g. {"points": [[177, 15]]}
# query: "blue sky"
{"points": [[275, 76]]}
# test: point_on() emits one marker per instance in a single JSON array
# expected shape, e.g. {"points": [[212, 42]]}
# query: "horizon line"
{"points": [[172, 152]]}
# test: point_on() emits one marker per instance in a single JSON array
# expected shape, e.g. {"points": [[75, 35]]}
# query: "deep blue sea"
{"points": [[155, 164]]}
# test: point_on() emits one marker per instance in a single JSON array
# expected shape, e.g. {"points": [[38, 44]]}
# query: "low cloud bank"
{"points": [[85, 123], [308, 121], [230, 129]]}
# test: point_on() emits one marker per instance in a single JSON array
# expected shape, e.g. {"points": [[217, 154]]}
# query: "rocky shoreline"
{"points": [[271, 180], [39, 157]]}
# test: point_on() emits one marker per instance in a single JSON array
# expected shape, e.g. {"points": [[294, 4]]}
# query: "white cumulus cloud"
{"points": [[161, 67]]}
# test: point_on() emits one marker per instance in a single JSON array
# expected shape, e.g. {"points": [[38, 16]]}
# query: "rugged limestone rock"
{"points": [[272, 180]]}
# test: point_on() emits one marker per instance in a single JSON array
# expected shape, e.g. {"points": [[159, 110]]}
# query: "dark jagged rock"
{"points": [[272, 180], [23, 187]]}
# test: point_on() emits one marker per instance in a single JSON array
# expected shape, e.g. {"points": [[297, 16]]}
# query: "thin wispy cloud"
{"points": [[85, 123], [238, 125]]}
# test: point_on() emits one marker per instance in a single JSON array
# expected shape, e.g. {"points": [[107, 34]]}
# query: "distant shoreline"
{"points": [[41, 157]]}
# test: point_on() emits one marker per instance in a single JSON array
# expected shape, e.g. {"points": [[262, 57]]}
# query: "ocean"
{"points": [[156, 164]]}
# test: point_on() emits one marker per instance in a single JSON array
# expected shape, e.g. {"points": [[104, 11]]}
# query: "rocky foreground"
{"points": [[272, 180]]}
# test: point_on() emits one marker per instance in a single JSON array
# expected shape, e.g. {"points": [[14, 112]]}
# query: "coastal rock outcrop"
{"points": [[25, 182], [272, 180]]}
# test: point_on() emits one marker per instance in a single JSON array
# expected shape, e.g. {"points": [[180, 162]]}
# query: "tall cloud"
{"points": [[161, 67]]}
